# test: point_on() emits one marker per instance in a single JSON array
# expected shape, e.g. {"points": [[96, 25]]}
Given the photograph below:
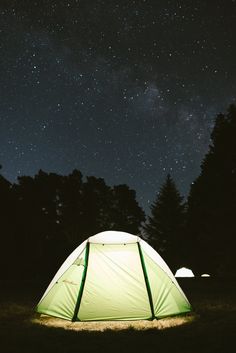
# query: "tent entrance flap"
{"points": [[115, 287]]}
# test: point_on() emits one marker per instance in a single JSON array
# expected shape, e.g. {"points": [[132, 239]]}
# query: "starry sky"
{"points": [[123, 90]]}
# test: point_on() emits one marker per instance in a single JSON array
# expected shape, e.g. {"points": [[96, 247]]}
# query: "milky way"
{"points": [[123, 90]]}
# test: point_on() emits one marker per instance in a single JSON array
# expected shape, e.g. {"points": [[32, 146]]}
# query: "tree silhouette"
{"points": [[165, 226], [7, 228], [44, 217], [39, 238], [96, 205], [125, 213], [110, 208], [212, 202]]}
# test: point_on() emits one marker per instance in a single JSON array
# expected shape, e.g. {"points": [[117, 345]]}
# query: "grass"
{"points": [[209, 328], [101, 326]]}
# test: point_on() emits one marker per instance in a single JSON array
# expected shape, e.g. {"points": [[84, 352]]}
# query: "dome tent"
{"points": [[113, 276], [184, 272]]}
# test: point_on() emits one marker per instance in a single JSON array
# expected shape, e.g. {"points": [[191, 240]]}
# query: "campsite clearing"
{"points": [[209, 328]]}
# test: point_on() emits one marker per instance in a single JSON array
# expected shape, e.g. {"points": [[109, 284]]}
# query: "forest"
{"points": [[44, 217]]}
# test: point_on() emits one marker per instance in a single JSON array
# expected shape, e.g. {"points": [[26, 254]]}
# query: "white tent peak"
{"points": [[113, 237]]}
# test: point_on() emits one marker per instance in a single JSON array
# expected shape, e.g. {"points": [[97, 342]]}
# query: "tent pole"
{"points": [[146, 281], [82, 283]]}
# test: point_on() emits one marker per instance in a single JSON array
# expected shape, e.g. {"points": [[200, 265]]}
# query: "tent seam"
{"points": [[148, 288], [78, 302]]}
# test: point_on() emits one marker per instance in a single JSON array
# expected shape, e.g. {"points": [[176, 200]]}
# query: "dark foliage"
{"points": [[165, 226], [43, 218], [212, 203]]}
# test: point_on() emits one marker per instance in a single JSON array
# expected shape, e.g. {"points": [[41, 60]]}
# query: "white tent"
{"points": [[184, 272], [113, 276]]}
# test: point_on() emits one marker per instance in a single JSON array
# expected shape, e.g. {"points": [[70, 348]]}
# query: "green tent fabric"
{"points": [[113, 276]]}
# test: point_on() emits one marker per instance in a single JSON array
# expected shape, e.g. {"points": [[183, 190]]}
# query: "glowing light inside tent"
{"points": [[184, 272], [205, 275]]}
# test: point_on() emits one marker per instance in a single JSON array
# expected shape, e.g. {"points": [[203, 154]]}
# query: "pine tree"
{"points": [[212, 202], [165, 226]]}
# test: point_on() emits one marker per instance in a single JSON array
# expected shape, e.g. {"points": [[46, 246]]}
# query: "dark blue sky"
{"points": [[123, 90]]}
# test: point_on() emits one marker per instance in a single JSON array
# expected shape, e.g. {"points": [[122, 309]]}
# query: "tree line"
{"points": [[201, 232], [44, 217]]}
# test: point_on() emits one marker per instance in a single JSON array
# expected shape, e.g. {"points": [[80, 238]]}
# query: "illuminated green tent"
{"points": [[113, 276]]}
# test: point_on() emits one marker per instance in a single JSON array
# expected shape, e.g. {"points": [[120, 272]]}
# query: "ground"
{"points": [[209, 328]]}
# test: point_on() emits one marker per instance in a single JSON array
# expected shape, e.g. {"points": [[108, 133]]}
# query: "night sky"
{"points": [[123, 90]]}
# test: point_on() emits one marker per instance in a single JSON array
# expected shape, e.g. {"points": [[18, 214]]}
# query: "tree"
{"points": [[165, 226], [125, 213], [47, 215], [71, 209], [212, 202], [106, 208], [96, 198], [7, 228], [39, 238]]}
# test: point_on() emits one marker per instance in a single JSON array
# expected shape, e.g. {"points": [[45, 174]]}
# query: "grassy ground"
{"points": [[211, 327]]}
